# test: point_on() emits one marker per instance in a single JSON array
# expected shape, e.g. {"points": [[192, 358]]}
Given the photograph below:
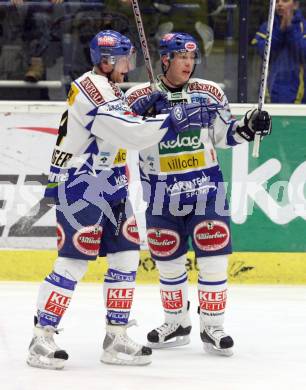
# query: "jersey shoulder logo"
{"points": [[211, 89], [92, 91], [134, 96]]}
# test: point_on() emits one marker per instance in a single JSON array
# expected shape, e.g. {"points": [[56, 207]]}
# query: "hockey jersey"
{"points": [[89, 154], [184, 166]]}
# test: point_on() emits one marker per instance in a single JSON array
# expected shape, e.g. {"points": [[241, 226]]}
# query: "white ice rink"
{"points": [[268, 324]]}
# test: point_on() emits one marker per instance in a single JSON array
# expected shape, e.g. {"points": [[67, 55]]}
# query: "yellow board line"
{"points": [[244, 267]]}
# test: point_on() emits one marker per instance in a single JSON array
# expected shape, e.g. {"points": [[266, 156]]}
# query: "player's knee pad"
{"points": [[173, 268], [213, 267], [126, 261], [73, 269]]}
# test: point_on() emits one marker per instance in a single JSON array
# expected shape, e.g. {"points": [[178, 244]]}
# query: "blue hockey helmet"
{"points": [[109, 44], [179, 42]]}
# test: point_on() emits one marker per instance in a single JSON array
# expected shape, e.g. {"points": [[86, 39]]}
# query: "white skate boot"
{"points": [[43, 352], [215, 340], [120, 349], [171, 334]]}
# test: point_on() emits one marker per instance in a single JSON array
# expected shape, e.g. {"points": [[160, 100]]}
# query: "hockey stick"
{"points": [[144, 44], [264, 72]]}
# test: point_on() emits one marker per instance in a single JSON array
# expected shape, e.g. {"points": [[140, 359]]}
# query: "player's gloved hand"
{"points": [[150, 105], [192, 116], [254, 122]]}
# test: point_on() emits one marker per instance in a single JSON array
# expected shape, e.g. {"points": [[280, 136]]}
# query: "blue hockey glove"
{"points": [[151, 104], [192, 116], [255, 122]]}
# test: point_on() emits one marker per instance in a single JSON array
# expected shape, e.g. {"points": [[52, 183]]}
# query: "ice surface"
{"points": [[268, 324]]}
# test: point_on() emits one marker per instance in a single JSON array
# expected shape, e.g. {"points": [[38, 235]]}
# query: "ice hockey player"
{"points": [[88, 183], [183, 187]]}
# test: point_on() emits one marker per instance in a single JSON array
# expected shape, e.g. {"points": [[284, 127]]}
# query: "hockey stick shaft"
{"points": [[264, 71], [144, 44]]}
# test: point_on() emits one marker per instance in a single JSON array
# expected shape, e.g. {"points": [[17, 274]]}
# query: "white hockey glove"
{"points": [[254, 122]]}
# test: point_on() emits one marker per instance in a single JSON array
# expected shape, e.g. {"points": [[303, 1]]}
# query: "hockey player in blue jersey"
{"points": [[89, 185], [287, 76], [183, 186]]}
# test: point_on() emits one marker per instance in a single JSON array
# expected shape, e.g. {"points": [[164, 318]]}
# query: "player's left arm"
{"points": [[228, 132]]}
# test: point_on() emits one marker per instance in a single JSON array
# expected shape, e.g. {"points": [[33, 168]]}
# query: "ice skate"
{"points": [[120, 349], [170, 334], [216, 341], [43, 352]]}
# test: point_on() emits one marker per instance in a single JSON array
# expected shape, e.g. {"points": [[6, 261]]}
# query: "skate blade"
{"points": [[122, 359], [177, 342], [210, 348], [46, 363]]}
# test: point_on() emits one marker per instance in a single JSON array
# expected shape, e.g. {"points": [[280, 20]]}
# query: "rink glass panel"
{"points": [[60, 35]]}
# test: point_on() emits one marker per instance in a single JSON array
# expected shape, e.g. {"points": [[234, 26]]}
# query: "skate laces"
{"points": [[216, 332], [47, 336], [167, 328], [125, 339]]}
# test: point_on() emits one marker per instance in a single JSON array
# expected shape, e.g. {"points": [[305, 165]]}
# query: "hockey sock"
{"points": [[53, 299], [174, 297], [118, 291], [212, 289], [56, 291]]}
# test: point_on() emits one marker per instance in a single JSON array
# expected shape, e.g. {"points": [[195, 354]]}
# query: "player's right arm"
{"points": [[123, 128]]}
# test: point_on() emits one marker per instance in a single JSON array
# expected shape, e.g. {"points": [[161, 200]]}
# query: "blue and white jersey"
{"points": [[182, 167], [94, 129]]}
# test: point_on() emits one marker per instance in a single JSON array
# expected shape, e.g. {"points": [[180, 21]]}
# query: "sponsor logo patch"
{"points": [[107, 41], [185, 142], [60, 236], [119, 298], [212, 301], [178, 113], [121, 277], [196, 86], [171, 299], [211, 235], [130, 230], [72, 94], [190, 46], [57, 303], [117, 91], [120, 158], [118, 316], [162, 242], [138, 94], [130, 113], [167, 37], [92, 91], [88, 239], [182, 162]]}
